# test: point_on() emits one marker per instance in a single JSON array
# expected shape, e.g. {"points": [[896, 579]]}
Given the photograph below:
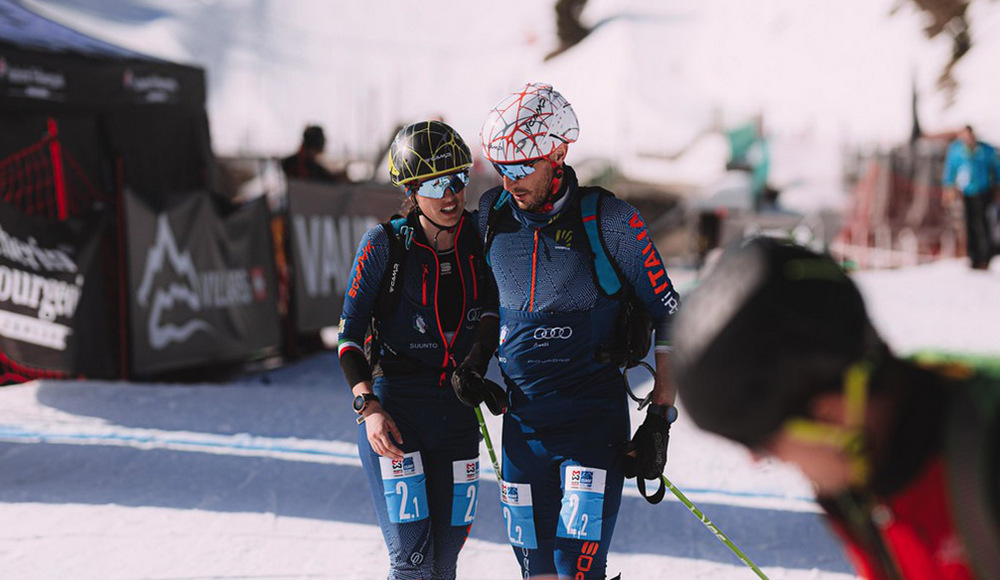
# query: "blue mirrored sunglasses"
{"points": [[515, 171], [437, 187]]}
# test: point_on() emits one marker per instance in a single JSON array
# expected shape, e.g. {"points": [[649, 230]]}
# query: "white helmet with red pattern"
{"points": [[528, 124]]}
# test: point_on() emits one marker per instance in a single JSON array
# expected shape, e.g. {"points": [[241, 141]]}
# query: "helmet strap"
{"points": [[440, 228], [557, 174]]}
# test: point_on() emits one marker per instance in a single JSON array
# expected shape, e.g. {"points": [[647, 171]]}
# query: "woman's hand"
{"points": [[382, 431]]}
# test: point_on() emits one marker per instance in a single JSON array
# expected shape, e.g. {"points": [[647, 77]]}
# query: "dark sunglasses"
{"points": [[515, 171], [437, 187]]}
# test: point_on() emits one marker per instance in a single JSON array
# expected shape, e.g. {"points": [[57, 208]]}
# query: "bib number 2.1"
{"points": [[405, 487]]}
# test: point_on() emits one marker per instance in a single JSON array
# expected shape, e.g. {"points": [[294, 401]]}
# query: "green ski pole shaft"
{"points": [[489, 443], [712, 527]]}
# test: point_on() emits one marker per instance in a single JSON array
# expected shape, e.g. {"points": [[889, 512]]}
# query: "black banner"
{"points": [[202, 286], [27, 76], [52, 309], [325, 225]]}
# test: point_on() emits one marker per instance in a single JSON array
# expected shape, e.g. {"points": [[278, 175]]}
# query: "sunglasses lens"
{"points": [[437, 187], [514, 171]]}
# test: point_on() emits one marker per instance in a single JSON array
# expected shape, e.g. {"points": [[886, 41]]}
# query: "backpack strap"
{"points": [[634, 326], [608, 277], [971, 447], [400, 236], [491, 223]]}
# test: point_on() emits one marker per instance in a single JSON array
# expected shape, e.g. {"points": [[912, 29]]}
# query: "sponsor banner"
{"points": [[27, 79], [202, 286], [140, 84], [53, 78], [52, 309], [325, 226]]}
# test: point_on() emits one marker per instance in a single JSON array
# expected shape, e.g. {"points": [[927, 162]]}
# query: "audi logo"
{"points": [[553, 333]]}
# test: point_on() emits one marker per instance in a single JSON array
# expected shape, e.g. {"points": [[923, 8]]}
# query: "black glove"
{"points": [[650, 446], [471, 388]]}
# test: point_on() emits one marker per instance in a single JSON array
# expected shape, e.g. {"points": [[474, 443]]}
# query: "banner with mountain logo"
{"points": [[202, 284]]}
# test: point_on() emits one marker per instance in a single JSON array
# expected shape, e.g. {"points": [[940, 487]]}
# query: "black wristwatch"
{"points": [[361, 402], [669, 412]]}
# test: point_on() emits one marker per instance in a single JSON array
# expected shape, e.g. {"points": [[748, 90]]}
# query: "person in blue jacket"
{"points": [[566, 431], [972, 169], [420, 286]]}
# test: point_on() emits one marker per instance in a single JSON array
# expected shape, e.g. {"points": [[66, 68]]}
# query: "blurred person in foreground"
{"points": [[562, 337], [775, 350], [972, 171], [420, 289], [305, 164]]}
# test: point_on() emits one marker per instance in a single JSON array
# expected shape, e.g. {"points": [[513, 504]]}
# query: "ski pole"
{"points": [[489, 443], [712, 527]]}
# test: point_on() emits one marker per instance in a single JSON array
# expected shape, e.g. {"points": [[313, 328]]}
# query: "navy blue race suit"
{"points": [[427, 501], [566, 431]]}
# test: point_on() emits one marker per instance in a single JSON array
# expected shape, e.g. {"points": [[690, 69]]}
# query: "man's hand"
{"points": [[472, 389], [648, 450]]}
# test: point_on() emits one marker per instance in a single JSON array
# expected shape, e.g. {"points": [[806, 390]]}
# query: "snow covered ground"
{"points": [[259, 477]]}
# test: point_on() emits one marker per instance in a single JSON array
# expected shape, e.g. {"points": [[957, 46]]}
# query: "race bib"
{"points": [[405, 488], [465, 493], [582, 503], [518, 515]]}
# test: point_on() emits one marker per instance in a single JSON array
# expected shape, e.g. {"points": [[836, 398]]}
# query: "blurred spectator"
{"points": [[972, 169], [750, 151], [304, 163]]}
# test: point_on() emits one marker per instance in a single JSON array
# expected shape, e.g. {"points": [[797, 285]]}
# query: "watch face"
{"points": [[359, 403], [671, 414]]}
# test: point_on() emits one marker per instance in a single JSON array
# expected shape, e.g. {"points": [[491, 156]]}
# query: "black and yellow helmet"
{"points": [[426, 149]]}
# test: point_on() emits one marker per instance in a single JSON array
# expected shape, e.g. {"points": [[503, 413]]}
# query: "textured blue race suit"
{"points": [[567, 427], [427, 501]]}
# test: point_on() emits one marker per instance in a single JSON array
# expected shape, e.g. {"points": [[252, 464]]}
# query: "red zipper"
{"points": [[534, 270], [424, 285], [472, 272]]}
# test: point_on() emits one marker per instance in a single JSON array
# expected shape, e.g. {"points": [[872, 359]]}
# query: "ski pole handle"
{"points": [[712, 527], [489, 443]]}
